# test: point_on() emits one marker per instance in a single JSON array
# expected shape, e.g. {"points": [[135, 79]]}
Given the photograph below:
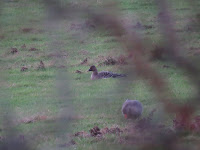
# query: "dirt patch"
{"points": [[24, 69], [144, 133], [27, 30], [122, 60], [87, 24], [148, 26], [33, 49], [82, 134], [84, 62], [41, 66], [34, 119], [180, 124], [166, 66], [78, 71], [23, 46], [13, 50], [97, 132], [145, 123], [58, 55], [31, 30], [106, 61], [83, 52]]}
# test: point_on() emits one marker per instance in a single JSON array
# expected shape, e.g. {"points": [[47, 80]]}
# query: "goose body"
{"points": [[132, 109], [103, 74]]}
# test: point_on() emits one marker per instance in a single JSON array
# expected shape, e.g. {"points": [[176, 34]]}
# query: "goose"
{"points": [[103, 74], [132, 109]]}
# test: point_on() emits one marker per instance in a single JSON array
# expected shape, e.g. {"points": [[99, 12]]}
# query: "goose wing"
{"points": [[105, 74]]}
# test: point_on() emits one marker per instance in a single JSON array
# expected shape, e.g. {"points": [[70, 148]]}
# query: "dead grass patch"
{"points": [[83, 52], [138, 133], [58, 55], [84, 62], [97, 132], [109, 60], [24, 69], [13, 50], [87, 24], [23, 46], [31, 30], [27, 30], [41, 66], [33, 49], [33, 119], [78, 71]]}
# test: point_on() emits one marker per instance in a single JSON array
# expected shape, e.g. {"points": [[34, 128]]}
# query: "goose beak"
{"points": [[89, 70]]}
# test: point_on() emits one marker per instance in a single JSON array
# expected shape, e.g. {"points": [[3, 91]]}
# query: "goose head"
{"points": [[93, 68], [132, 109]]}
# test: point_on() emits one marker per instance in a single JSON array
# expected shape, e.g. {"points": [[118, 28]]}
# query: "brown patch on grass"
{"points": [[166, 66], [106, 61], [33, 49], [31, 30], [83, 52], [23, 46], [113, 130], [27, 30], [41, 66], [148, 26], [76, 26], [157, 53], [54, 64], [82, 134], [84, 62], [110, 40], [78, 71], [145, 132], [58, 55], [122, 60], [95, 131], [13, 50], [24, 69], [34, 119], [180, 124], [145, 122], [88, 24]]}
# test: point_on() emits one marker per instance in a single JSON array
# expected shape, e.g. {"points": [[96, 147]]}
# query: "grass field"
{"points": [[48, 92]]}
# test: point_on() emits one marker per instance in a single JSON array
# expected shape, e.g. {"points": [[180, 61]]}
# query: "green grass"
{"points": [[97, 103]]}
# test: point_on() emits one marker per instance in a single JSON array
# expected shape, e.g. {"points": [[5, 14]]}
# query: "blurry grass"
{"points": [[97, 102]]}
